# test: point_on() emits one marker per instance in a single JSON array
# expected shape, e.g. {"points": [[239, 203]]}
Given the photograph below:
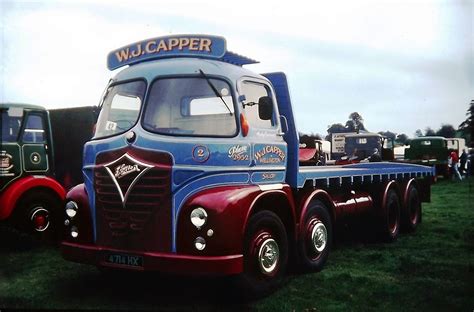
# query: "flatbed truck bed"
{"points": [[360, 173]]}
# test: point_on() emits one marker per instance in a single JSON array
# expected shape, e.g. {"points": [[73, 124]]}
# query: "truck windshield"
{"points": [[11, 124], [120, 108], [189, 106]]}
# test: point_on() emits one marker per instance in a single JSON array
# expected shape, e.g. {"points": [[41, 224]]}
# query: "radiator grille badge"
{"points": [[124, 169]]}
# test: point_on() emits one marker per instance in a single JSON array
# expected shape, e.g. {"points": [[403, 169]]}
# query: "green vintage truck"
{"points": [[431, 151]]}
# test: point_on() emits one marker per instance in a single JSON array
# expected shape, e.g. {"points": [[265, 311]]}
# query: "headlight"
{"points": [[198, 217], [74, 232], [71, 209], [200, 243]]}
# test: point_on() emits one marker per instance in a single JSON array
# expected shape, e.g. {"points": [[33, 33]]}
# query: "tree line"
{"points": [[355, 123]]}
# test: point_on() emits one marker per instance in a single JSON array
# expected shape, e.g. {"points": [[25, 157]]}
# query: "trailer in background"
{"points": [[71, 129]]}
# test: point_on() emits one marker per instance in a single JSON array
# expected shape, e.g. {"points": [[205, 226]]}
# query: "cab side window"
{"points": [[253, 91], [34, 130]]}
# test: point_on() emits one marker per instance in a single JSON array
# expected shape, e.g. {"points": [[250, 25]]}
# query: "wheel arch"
{"points": [[19, 189], [391, 185], [322, 196], [279, 202], [412, 182]]}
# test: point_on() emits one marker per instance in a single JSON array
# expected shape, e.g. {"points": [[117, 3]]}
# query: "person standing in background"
{"points": [[462, 163], [454, 165]]}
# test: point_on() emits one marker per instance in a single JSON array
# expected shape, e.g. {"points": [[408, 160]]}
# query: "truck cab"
{"points": [[29, 195], [431, 151], [363, 146]]}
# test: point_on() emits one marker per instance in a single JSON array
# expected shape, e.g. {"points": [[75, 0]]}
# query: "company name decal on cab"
{"points": [[161, 47], [269, 154]]}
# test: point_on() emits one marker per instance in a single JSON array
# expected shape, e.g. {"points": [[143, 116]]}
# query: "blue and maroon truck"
{"points": [[194, 169]]}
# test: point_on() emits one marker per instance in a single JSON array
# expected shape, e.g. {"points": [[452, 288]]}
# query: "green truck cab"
{"points": [[431, 151], [34, 173], [29, 195]]}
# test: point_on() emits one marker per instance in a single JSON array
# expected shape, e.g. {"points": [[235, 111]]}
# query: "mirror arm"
{"points": [[283, 126]]}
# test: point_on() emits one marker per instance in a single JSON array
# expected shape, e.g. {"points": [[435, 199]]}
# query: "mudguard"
{"points": [[11, 195], [228, 210]]}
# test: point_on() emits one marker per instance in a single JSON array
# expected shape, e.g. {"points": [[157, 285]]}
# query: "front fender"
{"points": [[11, 195], [82, 220], [227, 208]]}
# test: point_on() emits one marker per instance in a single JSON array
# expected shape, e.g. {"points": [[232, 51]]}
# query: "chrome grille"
{"points": [[145, 196]]}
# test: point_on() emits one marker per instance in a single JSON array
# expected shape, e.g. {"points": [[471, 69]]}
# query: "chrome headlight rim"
{"points": [[200, 243], [198, 217], [71, 209]]}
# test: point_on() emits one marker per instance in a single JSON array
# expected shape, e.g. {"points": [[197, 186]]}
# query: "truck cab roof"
{"points": [[21, 105], [184, 66], [424, 138]]}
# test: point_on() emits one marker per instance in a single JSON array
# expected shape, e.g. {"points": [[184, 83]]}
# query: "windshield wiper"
{"points": [[215, 91]]}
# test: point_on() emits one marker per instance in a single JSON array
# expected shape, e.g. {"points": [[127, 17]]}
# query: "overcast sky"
{"points": [[403, 65]]}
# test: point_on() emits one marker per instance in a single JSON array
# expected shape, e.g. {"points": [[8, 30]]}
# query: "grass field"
{"points": [[430, 270]]}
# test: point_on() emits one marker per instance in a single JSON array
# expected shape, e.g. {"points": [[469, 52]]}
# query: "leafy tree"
{"points": [[403, 139], [467, 126], [314, 136], [388, 134], [355, 123], [336, 128], [429, 131], [446, 131], [418, 133]]}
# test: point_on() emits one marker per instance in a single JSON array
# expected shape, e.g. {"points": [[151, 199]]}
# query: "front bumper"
{"points": [[152, 261]]}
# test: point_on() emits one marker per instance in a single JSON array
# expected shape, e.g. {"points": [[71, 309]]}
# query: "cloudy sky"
{"points": [[403, 65]]}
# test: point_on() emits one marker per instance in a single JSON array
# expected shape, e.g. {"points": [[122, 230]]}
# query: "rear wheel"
{"points": [[316, 237], [265, 255], [37, 214], [391, 217], [412, 211]]}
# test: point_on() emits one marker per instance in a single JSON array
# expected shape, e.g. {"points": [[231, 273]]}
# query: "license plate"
{"points": [[123, 259]]}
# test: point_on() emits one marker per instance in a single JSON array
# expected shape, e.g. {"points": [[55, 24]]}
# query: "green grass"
{"points": [[430, 270]]}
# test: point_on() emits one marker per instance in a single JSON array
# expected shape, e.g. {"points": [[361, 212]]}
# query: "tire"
{"points": [[411, 214], [315, 241], [265, 255], [37, 214], [391, 217]]}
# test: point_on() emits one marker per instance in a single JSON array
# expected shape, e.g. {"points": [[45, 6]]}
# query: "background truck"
{"points": [[361, 146], [31, 195], [313, 152], [456, 144], [429, 151], [194, 169]]}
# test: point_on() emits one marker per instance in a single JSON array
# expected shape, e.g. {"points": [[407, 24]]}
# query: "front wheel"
{"points": [[37, 214], [265, 255], [316, 237]]}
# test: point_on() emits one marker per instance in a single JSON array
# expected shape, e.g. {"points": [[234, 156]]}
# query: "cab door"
{"points": [[35, 144]]}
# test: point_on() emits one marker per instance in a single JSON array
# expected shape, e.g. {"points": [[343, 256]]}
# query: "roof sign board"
{"points": [[204, 46]]}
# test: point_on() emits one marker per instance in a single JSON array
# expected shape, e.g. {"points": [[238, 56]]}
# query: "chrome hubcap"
{"points": [[319, 237], [40, 219], [268, 256]]}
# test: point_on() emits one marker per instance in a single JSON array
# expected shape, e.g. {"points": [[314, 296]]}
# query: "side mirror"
{"points": [[265, 108]]}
